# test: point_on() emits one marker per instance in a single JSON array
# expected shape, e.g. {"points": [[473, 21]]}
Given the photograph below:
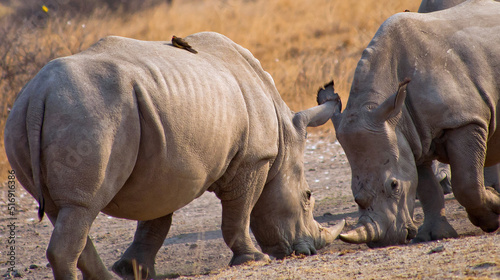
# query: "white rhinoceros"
{"points": [[391, 131], [139, 129]]}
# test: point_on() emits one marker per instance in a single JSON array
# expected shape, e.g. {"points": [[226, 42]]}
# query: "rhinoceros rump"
{"points": [[139, 129], [392, 132]]}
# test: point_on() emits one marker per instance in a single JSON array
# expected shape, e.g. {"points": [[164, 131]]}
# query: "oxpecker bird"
{"points": [[181, 44]]}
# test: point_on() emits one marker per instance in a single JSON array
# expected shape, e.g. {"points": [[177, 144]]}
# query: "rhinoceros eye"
{"points": [[394, 184], [308, 194]]}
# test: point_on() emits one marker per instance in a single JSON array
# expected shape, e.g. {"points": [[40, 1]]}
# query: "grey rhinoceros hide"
{"points": [[139, 129], [427, 6]]}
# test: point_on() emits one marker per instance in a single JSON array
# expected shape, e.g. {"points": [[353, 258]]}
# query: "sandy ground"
{"points": [[194, 247]]}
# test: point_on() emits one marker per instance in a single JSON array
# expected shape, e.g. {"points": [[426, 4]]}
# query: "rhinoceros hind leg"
{"points": [[89, 261], [148, 239], [238, 198], [69, 245]]}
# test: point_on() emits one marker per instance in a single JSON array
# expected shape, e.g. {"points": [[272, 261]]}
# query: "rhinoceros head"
{"points": [[384, 176], [282, 220]]}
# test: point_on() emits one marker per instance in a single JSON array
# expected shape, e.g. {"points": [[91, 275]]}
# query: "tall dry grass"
{"points": [[302, 44]]}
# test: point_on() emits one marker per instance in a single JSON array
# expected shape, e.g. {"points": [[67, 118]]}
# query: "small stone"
{"points": [[33, 266], [10, 274], [485, 265], [438, 249]]}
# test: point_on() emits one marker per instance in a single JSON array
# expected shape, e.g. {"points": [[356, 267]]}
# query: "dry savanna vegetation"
{"points": [[303, 44]]}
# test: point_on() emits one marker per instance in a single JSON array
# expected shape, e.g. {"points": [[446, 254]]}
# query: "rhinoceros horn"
{"points": [[328, 235], [362, 233]]}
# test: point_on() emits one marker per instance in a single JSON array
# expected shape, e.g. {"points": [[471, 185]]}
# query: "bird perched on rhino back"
{"points": [[181, 44]]}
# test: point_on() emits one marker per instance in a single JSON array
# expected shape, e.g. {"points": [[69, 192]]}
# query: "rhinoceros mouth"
{"points": [[393, 237], [305, 244]]}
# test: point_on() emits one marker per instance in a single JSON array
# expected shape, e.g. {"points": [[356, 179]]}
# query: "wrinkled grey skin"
{"points": [[139, 129], [392, 132]]}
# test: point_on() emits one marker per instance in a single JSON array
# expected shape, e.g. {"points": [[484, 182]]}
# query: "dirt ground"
{"points": [[194, 247]]}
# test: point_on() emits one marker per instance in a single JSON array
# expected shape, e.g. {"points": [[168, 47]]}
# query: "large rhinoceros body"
{"points": [[391, 130], [139, 129]]}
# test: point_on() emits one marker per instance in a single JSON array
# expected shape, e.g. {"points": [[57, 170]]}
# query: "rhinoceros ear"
{"points": [[392, 106], [327, 93], [318, 115]]}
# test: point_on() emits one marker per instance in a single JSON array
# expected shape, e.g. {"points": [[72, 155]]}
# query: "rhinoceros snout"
{"points": [[305, 249]]}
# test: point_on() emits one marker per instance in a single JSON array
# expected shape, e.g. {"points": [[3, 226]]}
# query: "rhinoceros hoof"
{"points": [[241, 259], [436, 230], [488, 221], [487, 215], [125, 270]]}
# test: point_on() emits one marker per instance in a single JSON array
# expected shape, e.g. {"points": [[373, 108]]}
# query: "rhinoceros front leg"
{"points": [[466, 148], [431, 196], [238, 200], [148, 239]]}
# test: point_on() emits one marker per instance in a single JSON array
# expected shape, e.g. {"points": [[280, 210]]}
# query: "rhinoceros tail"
{"points": [[34, 122]]}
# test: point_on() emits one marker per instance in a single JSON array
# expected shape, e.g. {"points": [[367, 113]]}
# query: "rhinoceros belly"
{"points": [[146, 198]]}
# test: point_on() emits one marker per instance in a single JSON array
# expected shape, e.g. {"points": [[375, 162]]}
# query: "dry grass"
{"points": [[302, 44]]}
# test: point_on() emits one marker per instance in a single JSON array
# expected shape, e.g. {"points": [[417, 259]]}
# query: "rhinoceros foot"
{"points": [[256, 256], [125, 269], [435, 229], [487, 216]]}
